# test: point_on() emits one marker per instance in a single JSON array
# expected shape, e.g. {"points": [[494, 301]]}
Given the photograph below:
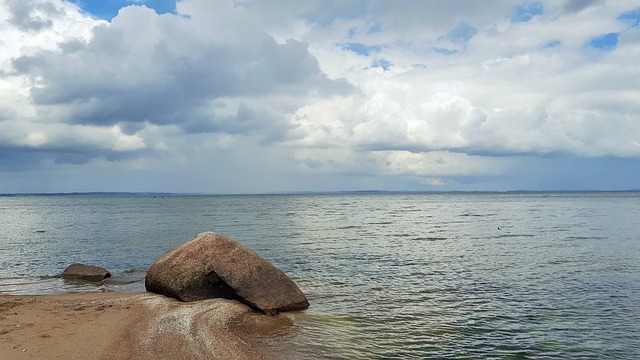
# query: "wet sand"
{"points": [[133, 326]]}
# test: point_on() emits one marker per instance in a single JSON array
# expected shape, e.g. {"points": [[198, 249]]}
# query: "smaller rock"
{"points": [[85, 273]]}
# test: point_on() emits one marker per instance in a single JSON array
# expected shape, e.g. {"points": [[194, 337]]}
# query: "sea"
{"points": [[510, 275]]}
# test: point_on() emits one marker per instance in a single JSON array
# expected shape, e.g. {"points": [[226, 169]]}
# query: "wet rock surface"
{"points": [[82, 272], [214, 266]]}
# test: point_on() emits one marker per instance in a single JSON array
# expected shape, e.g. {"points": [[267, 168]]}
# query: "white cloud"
{"points": [[437, 163], [552, 99]]}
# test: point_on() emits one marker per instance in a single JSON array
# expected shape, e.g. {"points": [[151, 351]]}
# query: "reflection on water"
{"points": [[389, 276]]}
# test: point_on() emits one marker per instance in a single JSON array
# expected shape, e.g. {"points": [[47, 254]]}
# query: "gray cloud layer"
{"points": [[117, 77]]}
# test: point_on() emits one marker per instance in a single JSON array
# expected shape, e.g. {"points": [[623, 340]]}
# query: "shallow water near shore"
{"points": [[389, 276]]}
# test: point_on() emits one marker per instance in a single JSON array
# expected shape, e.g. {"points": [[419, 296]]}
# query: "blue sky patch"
{"points": [[461, 34], [606, 42], [383, 63], [552, 43], [444, 51], [108, 9], [631, 16], [360, 48], [527, 11], [374, 29]]}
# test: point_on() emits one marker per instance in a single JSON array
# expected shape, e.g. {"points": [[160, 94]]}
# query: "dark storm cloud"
{"points": [[17, 158], [268, 125]]}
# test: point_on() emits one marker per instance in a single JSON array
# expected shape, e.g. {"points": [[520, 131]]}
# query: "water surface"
{"points": [[389, 276]]}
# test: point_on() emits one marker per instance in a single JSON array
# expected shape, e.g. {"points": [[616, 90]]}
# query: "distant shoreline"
{"points": [[346, 192]]}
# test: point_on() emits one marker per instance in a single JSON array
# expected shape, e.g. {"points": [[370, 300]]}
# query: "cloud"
{"points": [[200, 71], [504, 94], [30, 15], [574, 6], [429, 93], [122, 76]]}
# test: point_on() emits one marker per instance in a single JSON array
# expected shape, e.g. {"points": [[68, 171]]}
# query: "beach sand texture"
{"points": [[130, 326]]}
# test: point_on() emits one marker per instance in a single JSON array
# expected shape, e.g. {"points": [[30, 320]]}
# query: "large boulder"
{"points": [[211, 265], [85, 273]]}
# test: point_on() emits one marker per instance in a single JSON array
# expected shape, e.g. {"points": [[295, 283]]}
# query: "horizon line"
{"points": [[303, 192]]}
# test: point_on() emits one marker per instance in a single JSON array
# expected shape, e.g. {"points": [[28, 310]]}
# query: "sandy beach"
{"points": [[132, 326]]}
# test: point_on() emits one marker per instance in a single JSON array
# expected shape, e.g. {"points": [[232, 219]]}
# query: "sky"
{"points": [[248, 96]]}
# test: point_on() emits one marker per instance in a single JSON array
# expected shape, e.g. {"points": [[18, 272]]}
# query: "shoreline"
{"points": [[139, 325]]}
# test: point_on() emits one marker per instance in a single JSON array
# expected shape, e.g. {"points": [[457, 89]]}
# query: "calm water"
{"points": [[389, 276]]}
